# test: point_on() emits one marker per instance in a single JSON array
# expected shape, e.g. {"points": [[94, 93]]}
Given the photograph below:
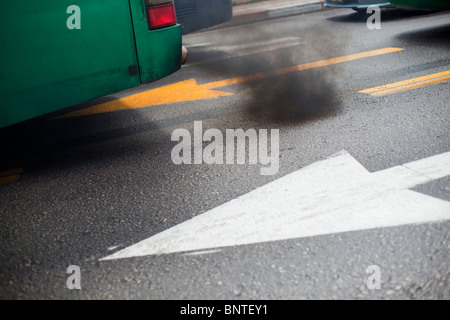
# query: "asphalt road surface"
{"points": [[354, 202]]}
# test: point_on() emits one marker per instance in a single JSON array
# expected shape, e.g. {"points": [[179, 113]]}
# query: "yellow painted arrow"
{"points": [[181, 91], [189, 90], [10, 175]]}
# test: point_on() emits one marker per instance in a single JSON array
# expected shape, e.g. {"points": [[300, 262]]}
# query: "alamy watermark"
{"points": [[374, 21], [190, 149], [374, 280], [74, 281], [74, 20]]}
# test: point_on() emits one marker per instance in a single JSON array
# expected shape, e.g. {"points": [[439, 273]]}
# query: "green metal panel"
{"points": [[422, 4], [47, 66], [159, 51]]}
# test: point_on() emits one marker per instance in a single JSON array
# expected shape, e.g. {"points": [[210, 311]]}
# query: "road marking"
{"points": [[202, 252], [10, 176], [247, 49], [189, 90], [11, 172], [409, 84], [330, 196], [6, 180]]}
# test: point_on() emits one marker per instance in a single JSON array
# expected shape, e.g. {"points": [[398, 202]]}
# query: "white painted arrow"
{"points": [[330, 196]]}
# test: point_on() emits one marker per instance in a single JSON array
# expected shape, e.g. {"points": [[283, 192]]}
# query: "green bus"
{"points": [[60, 53]]}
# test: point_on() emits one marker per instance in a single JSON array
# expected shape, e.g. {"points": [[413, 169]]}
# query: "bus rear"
{"points": [[59, 53]]}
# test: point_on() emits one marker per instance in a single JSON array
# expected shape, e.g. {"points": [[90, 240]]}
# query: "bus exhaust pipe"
{"points": [[184, 54]]}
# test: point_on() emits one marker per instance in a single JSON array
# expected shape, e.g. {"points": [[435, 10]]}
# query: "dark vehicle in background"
{"points": [[357, 5], [194, 15]]}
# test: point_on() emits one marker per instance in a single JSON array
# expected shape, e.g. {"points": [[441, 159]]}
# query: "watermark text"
{"points": [[234, 143]]}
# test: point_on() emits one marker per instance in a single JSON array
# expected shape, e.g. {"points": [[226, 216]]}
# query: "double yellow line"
{"points": [[10, 176], [409, 84]]}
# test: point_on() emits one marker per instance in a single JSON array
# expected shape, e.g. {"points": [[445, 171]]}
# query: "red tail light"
{"points": [[161, 16]]}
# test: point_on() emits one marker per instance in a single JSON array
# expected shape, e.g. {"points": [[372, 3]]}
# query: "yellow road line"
{"points": [[10, 172], [10, 176], [301, 67], [10, 179], [409, 84], [189, 90]]}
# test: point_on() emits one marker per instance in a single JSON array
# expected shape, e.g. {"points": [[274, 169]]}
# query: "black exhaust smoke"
{"points": [[291, 97]]}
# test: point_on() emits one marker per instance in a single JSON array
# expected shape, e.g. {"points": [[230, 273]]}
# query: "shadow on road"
{"points": [[391, 14], [428, 37]]}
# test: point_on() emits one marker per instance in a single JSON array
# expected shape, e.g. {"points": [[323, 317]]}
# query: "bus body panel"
{"points": [[159, 51]]}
